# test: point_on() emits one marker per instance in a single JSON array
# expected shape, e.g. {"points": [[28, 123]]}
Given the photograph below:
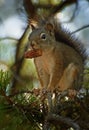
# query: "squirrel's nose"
{"points": [[33, 43]]}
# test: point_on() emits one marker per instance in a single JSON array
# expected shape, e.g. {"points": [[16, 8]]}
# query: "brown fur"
{"points": [[60, 66]]}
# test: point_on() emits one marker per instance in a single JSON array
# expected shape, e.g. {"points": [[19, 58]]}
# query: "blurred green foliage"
{"points": [[17, 112], [23, 110]]}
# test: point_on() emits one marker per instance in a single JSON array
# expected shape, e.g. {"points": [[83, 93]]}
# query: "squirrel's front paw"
{"points": [[36, 91], [43, 91], [51, 89], [72, 93], [43, 94]]}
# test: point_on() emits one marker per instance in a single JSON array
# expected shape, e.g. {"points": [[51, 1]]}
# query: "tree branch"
{"points": [[56, 120]]}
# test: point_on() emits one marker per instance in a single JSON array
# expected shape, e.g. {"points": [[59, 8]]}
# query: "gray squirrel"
{"points": [[58, 56]]}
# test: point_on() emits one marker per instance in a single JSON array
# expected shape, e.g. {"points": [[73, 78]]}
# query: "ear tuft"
{"points": [[33, 24], [49, 27]]}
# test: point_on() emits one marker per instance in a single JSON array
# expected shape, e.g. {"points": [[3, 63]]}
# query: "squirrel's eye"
{"points": [[43, 36]]}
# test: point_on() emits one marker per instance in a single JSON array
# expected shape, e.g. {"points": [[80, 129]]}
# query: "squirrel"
{"points": [[58, 56]]}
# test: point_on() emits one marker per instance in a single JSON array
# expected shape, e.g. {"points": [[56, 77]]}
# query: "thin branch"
{"points": [[80, 29], [8, 38]]}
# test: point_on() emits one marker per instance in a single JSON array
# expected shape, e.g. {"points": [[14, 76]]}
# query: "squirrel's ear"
{"points": [[49, 27], [33, 24]]}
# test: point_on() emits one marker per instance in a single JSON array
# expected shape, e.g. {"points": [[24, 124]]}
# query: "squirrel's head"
{"points": [[41, 37]]}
